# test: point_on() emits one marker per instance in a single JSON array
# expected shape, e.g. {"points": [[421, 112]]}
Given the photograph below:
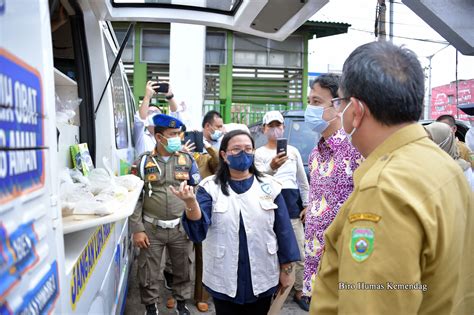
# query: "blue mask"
{"points": [[240, 162], [313, 116], [216, 135], [174, 144]]}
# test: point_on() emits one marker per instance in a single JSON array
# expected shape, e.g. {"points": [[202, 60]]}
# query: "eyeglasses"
{"points": [[237, 151], [337, 102]]}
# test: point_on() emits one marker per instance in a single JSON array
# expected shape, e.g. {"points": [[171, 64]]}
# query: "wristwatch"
{"points": [[287, 269], [168, 97]]}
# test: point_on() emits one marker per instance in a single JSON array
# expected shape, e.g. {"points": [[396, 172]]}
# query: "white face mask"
{"points": [[349, 134], [274, 133], [313, 116]]}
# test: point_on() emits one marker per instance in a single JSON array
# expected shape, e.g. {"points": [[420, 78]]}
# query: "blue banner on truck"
{"points": [[17, 255], [21, 128], [39, 300]]}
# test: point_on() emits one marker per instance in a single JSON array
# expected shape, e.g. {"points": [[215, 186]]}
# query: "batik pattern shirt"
{"points": [[331, 165]]}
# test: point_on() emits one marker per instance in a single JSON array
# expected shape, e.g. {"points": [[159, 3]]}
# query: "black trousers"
{"points": [[260, 307]]}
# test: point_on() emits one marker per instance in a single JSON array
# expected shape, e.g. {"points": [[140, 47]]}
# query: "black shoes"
{"points": [[151, 309], [182, 309], [168, 279], [303, 303]]}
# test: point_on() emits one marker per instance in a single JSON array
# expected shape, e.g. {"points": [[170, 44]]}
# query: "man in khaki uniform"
{"points": [[403, 241], [155, 222]]}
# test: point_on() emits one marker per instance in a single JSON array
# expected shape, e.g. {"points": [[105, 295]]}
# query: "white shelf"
{"points": [[60, 79], [76, 223]]}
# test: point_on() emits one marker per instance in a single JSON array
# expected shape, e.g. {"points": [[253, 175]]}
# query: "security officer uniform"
{"points": [[402, 243], [158, 215]]}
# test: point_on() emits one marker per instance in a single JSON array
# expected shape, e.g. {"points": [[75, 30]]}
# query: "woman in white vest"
{"points": [[241, 218]]}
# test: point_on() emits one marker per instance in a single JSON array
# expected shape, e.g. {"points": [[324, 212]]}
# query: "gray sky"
{"points": [[328, 53]]}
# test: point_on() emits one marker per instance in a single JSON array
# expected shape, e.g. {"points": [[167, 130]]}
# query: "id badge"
{"points": [[181, 175]]}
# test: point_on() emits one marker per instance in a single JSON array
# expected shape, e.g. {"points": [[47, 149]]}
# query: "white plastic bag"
{"points": [[99, 180], [128, 181], [66, 109]]}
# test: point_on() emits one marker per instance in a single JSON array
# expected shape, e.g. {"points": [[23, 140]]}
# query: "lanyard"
{"points": [[150, 191]]}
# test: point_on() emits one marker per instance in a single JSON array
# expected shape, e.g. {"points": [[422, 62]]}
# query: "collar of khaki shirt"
{"points": [[397, 140]]}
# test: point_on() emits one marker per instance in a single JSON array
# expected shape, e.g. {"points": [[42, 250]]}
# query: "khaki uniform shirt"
{"points": [[403, 241], [157, 200], [207, 162], [465, 153]]}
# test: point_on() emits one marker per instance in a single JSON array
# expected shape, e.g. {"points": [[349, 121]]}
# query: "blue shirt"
{"points": [[287, 247], [293, 202]]}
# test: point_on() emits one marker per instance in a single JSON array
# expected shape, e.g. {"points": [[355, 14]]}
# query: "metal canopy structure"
{"points": [[451, 19], [273, 19]]}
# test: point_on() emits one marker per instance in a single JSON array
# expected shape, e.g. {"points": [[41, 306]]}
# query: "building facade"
{"points": [[244, 75], [443, 99]]}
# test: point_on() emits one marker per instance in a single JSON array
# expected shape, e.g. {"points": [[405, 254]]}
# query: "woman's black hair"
{"points": [[223, 173]]}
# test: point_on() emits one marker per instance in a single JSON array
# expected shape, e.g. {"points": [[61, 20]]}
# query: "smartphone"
{"points": [[162, 87], [195, 137], [281, 145]]}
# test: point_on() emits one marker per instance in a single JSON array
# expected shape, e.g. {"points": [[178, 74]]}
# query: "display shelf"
{"points": [[74, 223]]}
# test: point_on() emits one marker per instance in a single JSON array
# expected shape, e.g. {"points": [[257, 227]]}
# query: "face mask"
{"points": [[349, 135], [274, 133], [313, 116], [174, 144], [240, 162], [216, 135]]}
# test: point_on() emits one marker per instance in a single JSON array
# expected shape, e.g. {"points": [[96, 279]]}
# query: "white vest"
{"points": [[221, 246]]}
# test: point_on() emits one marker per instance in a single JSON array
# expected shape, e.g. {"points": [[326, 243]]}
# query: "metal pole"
{"points": [[390, 30], [428, 109], [457, 86], [381, 8]]}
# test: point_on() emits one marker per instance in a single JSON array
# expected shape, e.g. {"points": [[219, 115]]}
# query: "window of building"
{"points": [[215, 48], [128, 52], [450, 99], [255, 51], [155, 46]]}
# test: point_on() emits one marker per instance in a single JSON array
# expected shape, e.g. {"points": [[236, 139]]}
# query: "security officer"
{"points": [[156, 221], [402, 243]]}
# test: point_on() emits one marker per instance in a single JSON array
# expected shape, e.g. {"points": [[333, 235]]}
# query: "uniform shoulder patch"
{"points": [[362, 243], [366, 216]]}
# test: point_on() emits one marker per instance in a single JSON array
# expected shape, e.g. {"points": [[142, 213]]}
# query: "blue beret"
{"points": [[162, 120]]}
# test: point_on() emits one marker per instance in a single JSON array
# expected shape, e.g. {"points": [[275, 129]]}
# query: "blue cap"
{"points": [[162, 120]]}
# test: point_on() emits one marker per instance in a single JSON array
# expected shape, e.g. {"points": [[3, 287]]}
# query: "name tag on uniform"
{"points": [[367, 216], [181, 175], [150, 170]]}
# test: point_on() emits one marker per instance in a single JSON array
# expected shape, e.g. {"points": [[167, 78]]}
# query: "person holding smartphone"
{"points": [[143, 128], [284, 162]]}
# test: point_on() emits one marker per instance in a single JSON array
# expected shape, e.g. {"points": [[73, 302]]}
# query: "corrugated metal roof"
{"points": [[323, 29]]}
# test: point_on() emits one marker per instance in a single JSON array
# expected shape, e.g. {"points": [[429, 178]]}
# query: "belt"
{"points": [[165, 224]]}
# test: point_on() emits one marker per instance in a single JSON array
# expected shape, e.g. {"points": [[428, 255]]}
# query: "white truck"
{"points": [[65, 49]]}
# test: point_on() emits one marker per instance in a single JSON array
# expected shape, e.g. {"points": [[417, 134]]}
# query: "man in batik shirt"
{"points": [[331, 164]]}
